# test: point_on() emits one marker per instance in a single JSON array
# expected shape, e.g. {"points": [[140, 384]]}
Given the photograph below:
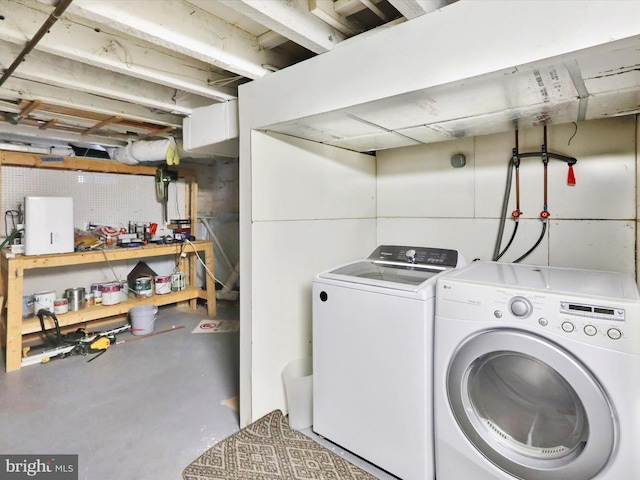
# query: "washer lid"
{"points": [[403, 274], [400, 265]]}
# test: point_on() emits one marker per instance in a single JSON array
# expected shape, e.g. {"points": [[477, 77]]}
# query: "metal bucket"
{"points": [[75, 297]]}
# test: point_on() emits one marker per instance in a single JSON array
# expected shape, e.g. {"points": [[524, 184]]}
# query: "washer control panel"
{"points": [[418, 256]]}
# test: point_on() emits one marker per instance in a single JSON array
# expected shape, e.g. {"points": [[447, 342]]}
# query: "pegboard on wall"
{"points": [[100, 198]]}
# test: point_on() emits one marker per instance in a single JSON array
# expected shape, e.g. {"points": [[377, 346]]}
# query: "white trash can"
{"points": [[298, 385]]}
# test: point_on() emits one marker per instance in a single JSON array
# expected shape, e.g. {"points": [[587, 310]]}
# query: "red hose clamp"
{"points": [[545, 214], [516, 213]]}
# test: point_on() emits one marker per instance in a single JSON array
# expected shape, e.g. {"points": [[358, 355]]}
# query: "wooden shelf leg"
{"points": [[14, 320], [210, 282]]}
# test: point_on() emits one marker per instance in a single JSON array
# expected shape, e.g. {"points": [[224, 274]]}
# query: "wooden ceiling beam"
{"points": [[49, 124], [104, 123], [31, 107], [161, 131]]}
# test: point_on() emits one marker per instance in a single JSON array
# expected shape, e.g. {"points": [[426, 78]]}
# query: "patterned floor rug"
{"points": [[269, 449]]}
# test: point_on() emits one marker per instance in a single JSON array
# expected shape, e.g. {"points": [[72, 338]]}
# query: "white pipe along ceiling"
{"points": [[112, 73]]}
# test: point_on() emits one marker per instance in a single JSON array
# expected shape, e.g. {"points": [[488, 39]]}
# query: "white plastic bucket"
{"points": [[143, 319], [298, 385]]}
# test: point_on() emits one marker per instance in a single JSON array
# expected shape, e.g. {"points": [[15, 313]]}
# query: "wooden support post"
{"points": [[192, 210], [14, 319], [210, 282]]}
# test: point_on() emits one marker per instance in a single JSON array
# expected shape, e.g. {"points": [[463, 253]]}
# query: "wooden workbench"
{"points": [[12, 270]]}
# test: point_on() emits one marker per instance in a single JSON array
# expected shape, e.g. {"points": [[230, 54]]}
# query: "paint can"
{"points": [[89, 299], [27, 306], [163, 285], [96, 289], [60, 306], [75, 297], [177, 282], [111, 293], [124, 291], [143, 287], [43, 301]]}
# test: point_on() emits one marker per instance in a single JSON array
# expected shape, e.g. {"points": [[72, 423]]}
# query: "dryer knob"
{"points": [[520, 307]]}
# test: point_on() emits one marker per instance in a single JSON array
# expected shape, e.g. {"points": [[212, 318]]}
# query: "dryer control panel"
{"points": [[588, 320], [592, 311]]}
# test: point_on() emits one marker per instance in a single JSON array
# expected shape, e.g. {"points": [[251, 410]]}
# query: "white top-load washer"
{"points": [[372, 356], [537, 374]]}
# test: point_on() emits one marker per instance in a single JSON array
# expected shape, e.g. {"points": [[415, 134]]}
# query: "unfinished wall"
{"points": [[218, 207], [423, 200]]}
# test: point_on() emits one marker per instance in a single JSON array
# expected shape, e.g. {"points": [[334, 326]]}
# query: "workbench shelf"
{"points": [[12, 275], [96, 312]]}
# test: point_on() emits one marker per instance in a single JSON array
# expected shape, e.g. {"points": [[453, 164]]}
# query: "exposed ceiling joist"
{"points": [[107, 139], [62, 72], [271, 39], [324, 10], [380, 14], [415, 8], [349, 7], [183, 29], [119, 54], [121, 70], [291, 20], [16, 89]]}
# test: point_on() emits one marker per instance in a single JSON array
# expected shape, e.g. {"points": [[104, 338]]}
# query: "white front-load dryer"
{"points": [[537, 374], [373, 356]]}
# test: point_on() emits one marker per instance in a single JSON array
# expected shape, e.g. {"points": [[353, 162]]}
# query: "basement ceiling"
{"points": [[105, 73], [108, 72]]}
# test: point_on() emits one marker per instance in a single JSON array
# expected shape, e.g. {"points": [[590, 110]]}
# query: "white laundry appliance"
{"points": [[373, 354], [537, 374]]}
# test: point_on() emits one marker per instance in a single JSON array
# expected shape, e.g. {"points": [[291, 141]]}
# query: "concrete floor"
{"points": [[143, 410]]}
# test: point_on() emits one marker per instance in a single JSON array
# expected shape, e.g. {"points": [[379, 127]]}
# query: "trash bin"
{"points": [[298, 385]]}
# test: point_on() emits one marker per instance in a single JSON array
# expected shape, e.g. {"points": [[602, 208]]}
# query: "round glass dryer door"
{"points": [[530, 407]]}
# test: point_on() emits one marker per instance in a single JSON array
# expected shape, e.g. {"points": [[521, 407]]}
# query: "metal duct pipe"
{"points": [[53, 18]]}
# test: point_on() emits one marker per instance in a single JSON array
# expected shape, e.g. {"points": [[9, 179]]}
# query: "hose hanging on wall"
{"points": [[544, 214], [515, 162]]}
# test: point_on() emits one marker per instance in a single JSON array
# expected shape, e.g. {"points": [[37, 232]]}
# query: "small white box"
{"points": [[48, 225]]}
